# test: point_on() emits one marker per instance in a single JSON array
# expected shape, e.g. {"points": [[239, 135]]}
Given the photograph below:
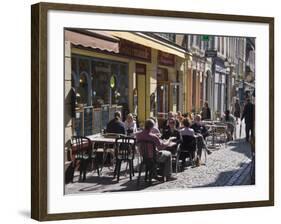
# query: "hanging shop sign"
{"points": [[134, 50], [140, 69], [166, 59], [112, 81]]}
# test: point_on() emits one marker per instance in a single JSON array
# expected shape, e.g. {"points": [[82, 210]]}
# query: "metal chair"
{"points": [[148, 152], [82, 148], [124, 152], [220, 133], [188, 149], [175, 157]]}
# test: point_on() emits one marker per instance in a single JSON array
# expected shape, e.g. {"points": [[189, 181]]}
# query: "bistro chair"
{"points": [[124, 152], [147, 162], [220, 133], [82, 150], [175, 157], [188, 148]]}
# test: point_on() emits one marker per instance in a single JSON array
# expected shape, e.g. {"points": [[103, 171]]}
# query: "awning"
{"points": [[149, 42], [84, 40]]}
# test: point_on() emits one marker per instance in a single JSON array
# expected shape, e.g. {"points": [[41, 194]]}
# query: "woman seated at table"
{"points": [[172, 132], [130, 124]]}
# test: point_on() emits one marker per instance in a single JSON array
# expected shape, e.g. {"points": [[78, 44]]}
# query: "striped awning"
{"points": [[92, 41]]}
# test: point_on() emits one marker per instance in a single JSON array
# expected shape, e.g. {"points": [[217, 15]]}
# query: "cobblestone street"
{"points": [[226, 166]]}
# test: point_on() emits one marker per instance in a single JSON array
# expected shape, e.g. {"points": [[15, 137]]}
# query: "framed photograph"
{"points": [[139, 111]]}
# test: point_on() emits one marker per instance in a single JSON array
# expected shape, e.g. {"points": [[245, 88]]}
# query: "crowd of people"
{"points": [[177, 127]]}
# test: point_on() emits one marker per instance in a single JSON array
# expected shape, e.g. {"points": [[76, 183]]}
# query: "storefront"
{"points": [[121, 71], [220, 87]]}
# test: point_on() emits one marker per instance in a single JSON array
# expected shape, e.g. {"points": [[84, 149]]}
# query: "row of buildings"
{"points": [[150, 74]]}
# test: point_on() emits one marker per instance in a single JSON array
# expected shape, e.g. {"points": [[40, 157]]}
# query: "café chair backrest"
{"points": [[125, 147], [188, 143], [82, 147]]}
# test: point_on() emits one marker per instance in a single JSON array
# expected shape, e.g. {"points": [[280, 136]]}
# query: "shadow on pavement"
{"points": [[224, 178], [241, 146]]}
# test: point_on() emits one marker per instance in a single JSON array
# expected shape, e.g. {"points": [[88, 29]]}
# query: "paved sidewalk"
{"points": [[227, 166]]}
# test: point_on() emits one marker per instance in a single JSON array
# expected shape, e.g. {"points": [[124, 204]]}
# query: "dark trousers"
{"points": [[249, 127]]}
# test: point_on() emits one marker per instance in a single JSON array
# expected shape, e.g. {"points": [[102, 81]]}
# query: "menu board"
{"points": [[104, 116], [111, 112], [78, 123], [88, 121], [97, 120]]}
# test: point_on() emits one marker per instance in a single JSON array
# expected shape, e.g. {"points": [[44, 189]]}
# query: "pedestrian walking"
{"points": [[206, 112], [249, 115], [237, 110]]}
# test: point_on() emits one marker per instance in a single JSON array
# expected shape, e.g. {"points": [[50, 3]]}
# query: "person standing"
{"points": [[249, 115], [206, 112], [237, 110]]}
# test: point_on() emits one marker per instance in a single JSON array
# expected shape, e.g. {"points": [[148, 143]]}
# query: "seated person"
{"points": [[199, 127], [172, 131], [199, 141], [116, 125], [162, 156], [155, 130], [130, 124], [187, 131], [180, 118], [166, 122], [230, 120]]}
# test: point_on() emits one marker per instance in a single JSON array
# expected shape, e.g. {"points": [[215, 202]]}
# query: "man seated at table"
{"points": [[200, 142], [199, 127], [116, 125], [162, 156]]}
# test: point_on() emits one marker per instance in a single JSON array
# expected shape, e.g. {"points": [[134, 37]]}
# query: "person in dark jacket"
{"points": [[199, 127], [171, 116], [237, 111], [249, 115], [116, 125], [172, 131], [206, 112]]}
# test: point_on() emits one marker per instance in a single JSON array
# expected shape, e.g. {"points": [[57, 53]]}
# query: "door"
{"points": [[141, 92], [174, 93], [162, 99]]}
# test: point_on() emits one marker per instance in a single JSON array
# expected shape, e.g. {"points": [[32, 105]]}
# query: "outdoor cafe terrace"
{"points": [[112, 163]]}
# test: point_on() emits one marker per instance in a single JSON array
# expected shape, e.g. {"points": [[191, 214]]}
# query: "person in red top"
{"points": [[163, 156]]}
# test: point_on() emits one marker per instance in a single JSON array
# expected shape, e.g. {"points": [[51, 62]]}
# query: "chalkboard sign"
{"points": [[111, 112], [78, 123], [104, 116], [88, 121], [97, 120]]}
